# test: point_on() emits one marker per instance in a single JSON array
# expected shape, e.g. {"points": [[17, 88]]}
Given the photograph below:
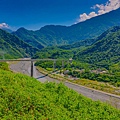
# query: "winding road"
{"points": [[25, 68]]}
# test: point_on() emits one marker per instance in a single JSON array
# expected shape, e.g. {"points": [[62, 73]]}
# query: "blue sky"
{"points": [[33, 14]]}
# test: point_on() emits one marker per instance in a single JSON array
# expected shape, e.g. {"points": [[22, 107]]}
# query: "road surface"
{"points": [[25, 68]]}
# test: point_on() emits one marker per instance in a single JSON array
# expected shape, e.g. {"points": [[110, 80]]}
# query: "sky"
{"points": [[34, 14]]}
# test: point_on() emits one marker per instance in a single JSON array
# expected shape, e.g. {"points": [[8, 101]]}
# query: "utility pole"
{"points": [[31, 68]]}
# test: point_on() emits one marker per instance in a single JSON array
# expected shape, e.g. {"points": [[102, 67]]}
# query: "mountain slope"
{"points": [[101, 51], [105, 50], [26, 98], [14, 47], [29, 37], [63, 51], [58, 35]]}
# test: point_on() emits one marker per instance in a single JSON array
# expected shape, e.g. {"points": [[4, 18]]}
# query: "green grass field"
{"points": [[24, 98]]}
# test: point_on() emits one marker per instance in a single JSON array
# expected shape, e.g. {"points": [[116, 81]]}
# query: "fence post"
{"points": [[31, 68]]}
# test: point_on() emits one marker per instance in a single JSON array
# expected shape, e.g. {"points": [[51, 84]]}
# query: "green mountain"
{"points": [[79, 44], [101, 51], [105, 51], [99, 60], [29, 37], [59, 35], [13, 47], [63, 51]]}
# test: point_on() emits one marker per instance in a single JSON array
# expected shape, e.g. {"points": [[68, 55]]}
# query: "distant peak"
{"points": [[22, 28]]}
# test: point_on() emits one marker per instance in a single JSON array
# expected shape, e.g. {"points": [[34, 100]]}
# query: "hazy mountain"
{"points": [[13, 47], [59, 35], [7, 30]]}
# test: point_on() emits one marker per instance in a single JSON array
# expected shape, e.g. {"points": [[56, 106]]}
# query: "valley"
{"points": [[83, 81]]}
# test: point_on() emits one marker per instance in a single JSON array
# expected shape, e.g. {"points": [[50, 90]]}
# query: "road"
{"points": [[25, 68]]}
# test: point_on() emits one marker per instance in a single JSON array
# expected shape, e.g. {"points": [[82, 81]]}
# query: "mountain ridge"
{"points": [[101, 51], [105, 50], [50, 35], [30, 35], [13, 47]]}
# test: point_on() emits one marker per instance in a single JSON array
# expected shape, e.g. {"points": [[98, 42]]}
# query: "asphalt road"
{"points": [[25, 68]]}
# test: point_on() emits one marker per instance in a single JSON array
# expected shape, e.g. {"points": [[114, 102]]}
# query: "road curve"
{"points": [[24, 67]]}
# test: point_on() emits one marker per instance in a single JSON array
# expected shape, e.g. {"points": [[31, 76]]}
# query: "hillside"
{"points": [[13, 47], [105, 51], [101, 51], [29, 37], [54, 53], [59, 35], [23, 97], [105, 47]]}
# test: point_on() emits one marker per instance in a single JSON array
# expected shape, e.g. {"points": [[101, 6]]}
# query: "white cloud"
{"points": [[84, 16], [102, 9], [4, 25]]}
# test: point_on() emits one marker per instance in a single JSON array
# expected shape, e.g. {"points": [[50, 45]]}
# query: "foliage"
{"points": [[105, 52], [59, 64], [102, 86], [102, 54], [54, 53], [23, 97], [29, 37], [113, 79], [115, 69], [82, 70], [13, 47], [4, 66]]}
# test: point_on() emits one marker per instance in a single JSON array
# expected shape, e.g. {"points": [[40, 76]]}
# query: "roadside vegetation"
{"points": [[4, 66], [80, 73], [23, 97]]}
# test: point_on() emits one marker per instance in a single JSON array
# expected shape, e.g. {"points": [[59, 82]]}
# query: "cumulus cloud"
{"points": [[4, 25], [84, 16], [102, 9]]}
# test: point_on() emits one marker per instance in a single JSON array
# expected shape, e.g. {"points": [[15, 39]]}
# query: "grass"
{"points": [[106, 87], [25, 98], [98, 86]]}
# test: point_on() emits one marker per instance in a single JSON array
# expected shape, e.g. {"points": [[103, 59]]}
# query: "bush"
{"points": [[22, 97]]}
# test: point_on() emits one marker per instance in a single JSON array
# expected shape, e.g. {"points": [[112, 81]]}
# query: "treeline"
{"points": [[84, 70], [113, 79]]}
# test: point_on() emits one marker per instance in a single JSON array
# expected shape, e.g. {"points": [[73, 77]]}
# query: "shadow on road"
{"points": [[42, 76], [46, 74]]}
